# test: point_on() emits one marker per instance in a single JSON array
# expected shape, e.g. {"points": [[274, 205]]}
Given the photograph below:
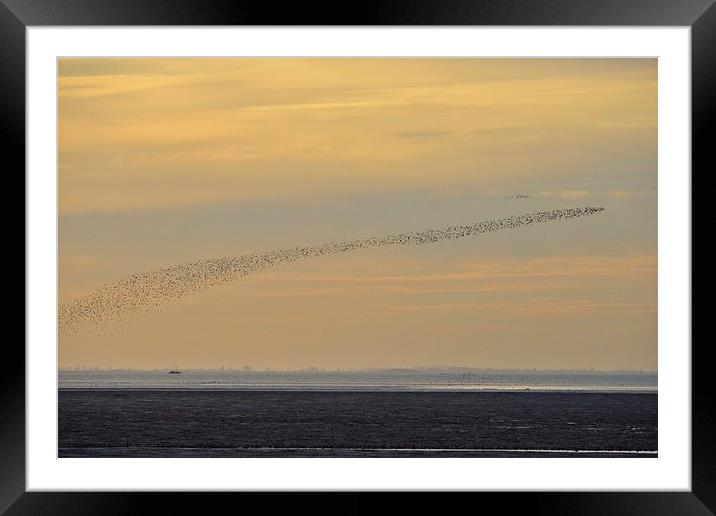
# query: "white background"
{"points": [[670, 471]]}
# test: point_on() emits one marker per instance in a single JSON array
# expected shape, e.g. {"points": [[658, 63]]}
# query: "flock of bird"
{"points": [[146, 290]]}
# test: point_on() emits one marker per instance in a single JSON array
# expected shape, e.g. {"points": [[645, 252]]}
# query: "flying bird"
{"points": [[146, 290]]}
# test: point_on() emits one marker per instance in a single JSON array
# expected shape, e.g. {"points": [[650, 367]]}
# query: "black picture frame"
{"points": [[17, 15]]}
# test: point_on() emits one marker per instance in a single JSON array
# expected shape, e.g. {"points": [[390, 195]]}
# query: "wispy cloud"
{"points": [[530, 307], [163, 133], [552, 268], [565, 194]]}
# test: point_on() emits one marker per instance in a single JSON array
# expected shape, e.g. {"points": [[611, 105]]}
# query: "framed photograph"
{"points": [[440, 248]]}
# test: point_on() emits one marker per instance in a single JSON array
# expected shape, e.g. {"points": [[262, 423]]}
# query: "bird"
{"points": [[150, 290]]}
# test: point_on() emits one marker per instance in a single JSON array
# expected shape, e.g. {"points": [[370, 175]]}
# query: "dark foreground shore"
{"points": [[146, 423]]}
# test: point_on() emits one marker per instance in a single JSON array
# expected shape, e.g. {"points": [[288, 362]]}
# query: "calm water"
{"points": [[222, 423], [403, 380], [386, 414]]}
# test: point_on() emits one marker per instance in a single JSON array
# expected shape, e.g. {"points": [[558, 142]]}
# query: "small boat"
{"points": [[175, 371]]}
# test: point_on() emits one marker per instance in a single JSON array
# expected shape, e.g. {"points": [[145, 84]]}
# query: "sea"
{"points": [[381, 413]]}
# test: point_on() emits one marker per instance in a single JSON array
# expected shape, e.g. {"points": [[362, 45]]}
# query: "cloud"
{"points": [[158, 133], [530, 307], [566, 194], [549, 269], [619, 194], [423, 135]]}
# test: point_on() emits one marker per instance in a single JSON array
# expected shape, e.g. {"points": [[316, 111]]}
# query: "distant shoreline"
{"points": [[373, 381]]}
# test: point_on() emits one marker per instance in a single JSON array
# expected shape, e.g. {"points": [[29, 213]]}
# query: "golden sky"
{"points": [[163, 161]]}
